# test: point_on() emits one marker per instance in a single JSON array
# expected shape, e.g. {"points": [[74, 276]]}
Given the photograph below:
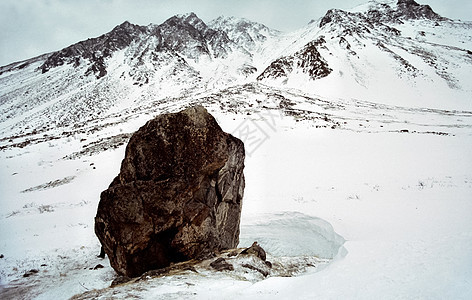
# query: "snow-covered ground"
{"points": [[401, 200]]}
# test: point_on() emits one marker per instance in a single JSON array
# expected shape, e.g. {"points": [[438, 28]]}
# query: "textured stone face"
{"points": [[178, 195]]}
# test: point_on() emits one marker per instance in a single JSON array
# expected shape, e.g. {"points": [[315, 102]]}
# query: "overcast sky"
{"points": [[32, 27]]}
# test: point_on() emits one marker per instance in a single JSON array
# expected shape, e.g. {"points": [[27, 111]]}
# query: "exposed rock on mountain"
{"points": [[189, 35], [410, 9], [250, 35], [178, 195], [96, 50], [404, 10], [361, 24], [308, 60], [186, 34]]}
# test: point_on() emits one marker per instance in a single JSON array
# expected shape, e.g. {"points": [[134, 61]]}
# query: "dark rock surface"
{"points": [[95, 50], [31, 272], [308, 59], [220, 264], [183, 34], [178, 195], [255, 250], [410, 9], [379, 15]]}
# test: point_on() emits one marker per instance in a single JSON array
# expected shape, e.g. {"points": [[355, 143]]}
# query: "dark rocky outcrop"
{"points": [[255, 250], [178, 195], [410, 9], [308, 60], [220, 264], [31, 272], [181, 36], [189, 35], [378, 16], [96, 50]]}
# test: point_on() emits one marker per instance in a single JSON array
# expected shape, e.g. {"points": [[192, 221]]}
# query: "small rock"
{"points": [[44, 265], [190, 268], [206, 255], [1, 256], [30, 272], [102, 253], [256, 250], [99, 266], [120, 280], [220, 264], [154, 273], [264, 273], [233, 253]]}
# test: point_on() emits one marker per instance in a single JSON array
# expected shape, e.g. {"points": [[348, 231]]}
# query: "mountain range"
{"points": [[384, 52]]}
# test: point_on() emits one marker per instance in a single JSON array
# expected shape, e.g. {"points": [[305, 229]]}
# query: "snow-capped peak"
{"points": [[240, 24], [248, 34], [190, 19], [396, 11]]}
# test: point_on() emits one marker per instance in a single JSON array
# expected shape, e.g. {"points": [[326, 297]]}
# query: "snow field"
{"points": [[401, 202]]}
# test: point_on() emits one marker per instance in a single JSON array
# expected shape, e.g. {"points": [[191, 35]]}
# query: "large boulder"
{"points": [[178, 195]]}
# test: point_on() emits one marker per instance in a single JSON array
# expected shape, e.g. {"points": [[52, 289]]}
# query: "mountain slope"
{"points": [[389, 54]]}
